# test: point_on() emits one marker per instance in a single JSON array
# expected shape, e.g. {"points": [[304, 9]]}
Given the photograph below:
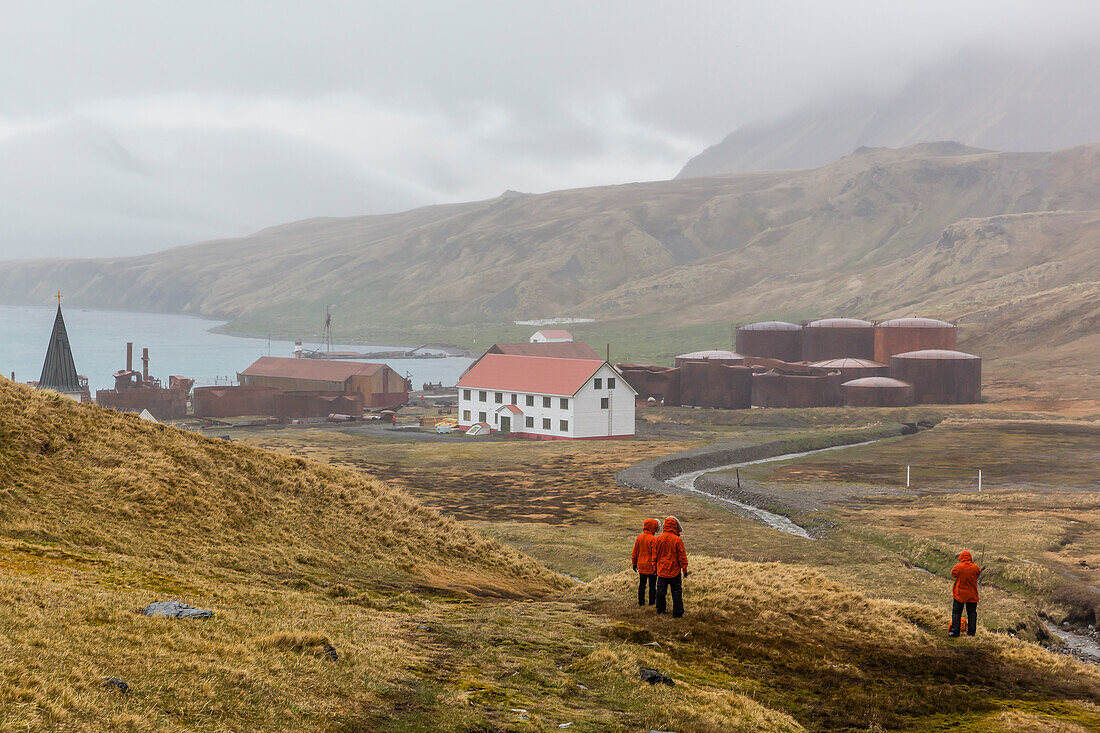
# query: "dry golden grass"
{"points": [[86, 477]]}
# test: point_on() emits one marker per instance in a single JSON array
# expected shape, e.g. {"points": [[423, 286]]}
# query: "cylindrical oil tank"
{"points": [[852, 368], [900, 335], [838, 338], [714, 384], [939, 376], [660, 383], [730, 358], [771, 339], [772, 389], [876, 392]]}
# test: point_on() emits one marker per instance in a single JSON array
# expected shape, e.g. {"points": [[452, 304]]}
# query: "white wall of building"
{"points": [[538, 337], [583, 413]]}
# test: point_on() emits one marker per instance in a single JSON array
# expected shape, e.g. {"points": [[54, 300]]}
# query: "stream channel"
{"points": [[775, 521]]}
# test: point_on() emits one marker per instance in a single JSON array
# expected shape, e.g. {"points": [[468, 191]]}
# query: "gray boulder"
{"points": [[175, 609], [654, 677]]}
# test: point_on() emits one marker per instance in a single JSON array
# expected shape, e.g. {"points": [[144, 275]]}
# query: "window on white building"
{"points": [[597, 383], [563, 425], [530, 400], [564, 403], [481, 396], [465, 414], [498, 397], [545, 401], [481, 417], [529, 422], [611, 382], [465, 394], [515, 399], [604, 403], [546, 423]]}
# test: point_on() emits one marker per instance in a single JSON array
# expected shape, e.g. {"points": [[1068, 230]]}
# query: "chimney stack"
{"points": [[129, 356], [145, 363]]}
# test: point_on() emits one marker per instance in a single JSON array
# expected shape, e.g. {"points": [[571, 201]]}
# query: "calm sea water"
{"points": [[177, 345]]}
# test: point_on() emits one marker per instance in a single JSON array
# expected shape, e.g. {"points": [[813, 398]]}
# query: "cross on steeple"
{"points": [[58, 298]]}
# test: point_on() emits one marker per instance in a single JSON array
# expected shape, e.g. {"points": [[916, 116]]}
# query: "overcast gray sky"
{"points": [[130, 127]]}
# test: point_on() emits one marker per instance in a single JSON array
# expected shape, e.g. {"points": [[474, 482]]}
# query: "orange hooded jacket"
{"points": [[966, 579], [671, 556], [643, 555]]}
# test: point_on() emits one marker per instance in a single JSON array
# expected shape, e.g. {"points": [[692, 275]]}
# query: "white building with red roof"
{"points": [[546, 398], [551, 336]]}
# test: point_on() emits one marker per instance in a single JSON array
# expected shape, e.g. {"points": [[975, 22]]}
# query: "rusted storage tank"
{"points": [[730, 358], [714, 384], [771, 339], [852, 368], [876, 392], [838, 338], [939, 376], [900, 335], [772, 389], [660, 383]]}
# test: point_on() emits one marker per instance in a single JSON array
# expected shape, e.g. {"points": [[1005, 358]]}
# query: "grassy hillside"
{"points": [[934, 229], [433, 626]]}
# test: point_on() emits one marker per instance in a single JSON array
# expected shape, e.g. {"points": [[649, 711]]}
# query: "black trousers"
{"points": [[971, 616], [645, 581], [677, 588]]}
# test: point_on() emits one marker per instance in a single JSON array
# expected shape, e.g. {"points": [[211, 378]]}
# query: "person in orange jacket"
{"points": [[964, 593], [671, 560], [643, 561]]}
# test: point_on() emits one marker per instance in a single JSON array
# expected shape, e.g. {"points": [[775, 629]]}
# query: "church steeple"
{"points": [[58, 370]]}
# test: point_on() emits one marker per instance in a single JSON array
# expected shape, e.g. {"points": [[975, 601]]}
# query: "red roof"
{"points": [[534, 374], [513, 408], [324, 370], [555, 333]]}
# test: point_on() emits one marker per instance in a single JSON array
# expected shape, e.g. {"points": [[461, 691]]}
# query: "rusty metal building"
{"points": [[940, 376], [662, 384], [876, 392], [721, 356], [901, 335], [773, 389], [771, 339], [298, 405], [136, 391], [554, 349], [709, 383], [838, 338], [852, 368], [233, 401], [379, 385]]}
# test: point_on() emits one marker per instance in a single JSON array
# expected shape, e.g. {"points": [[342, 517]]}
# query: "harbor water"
{"points": [[177, 344]]}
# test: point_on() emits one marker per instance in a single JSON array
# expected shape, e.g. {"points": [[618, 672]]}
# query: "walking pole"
{"points": [[907, 477], [979, 480]]}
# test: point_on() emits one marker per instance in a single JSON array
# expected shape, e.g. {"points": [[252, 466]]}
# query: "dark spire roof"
{"points": [[58, 370]]}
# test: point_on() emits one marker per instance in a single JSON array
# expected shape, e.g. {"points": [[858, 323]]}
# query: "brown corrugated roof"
{"points": [[320, 369], [557, 349]]}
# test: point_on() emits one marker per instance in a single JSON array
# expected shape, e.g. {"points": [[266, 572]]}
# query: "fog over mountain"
{"points": [[996, 99], [132, 127]]}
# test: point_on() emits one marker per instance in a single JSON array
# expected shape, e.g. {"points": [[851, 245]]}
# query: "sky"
{"points": [[130, 127]]}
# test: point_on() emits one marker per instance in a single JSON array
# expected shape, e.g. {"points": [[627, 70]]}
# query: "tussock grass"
{"points": [[835, 658], [90, 479]]}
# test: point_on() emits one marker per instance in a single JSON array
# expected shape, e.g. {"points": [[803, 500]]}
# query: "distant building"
{"points": [[58, 369], [546, 398], [379, 385], [551, 336], [567, 349]]}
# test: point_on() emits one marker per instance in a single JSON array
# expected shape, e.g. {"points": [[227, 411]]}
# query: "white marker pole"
{"points": [[979, 480], [907, 477]]}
